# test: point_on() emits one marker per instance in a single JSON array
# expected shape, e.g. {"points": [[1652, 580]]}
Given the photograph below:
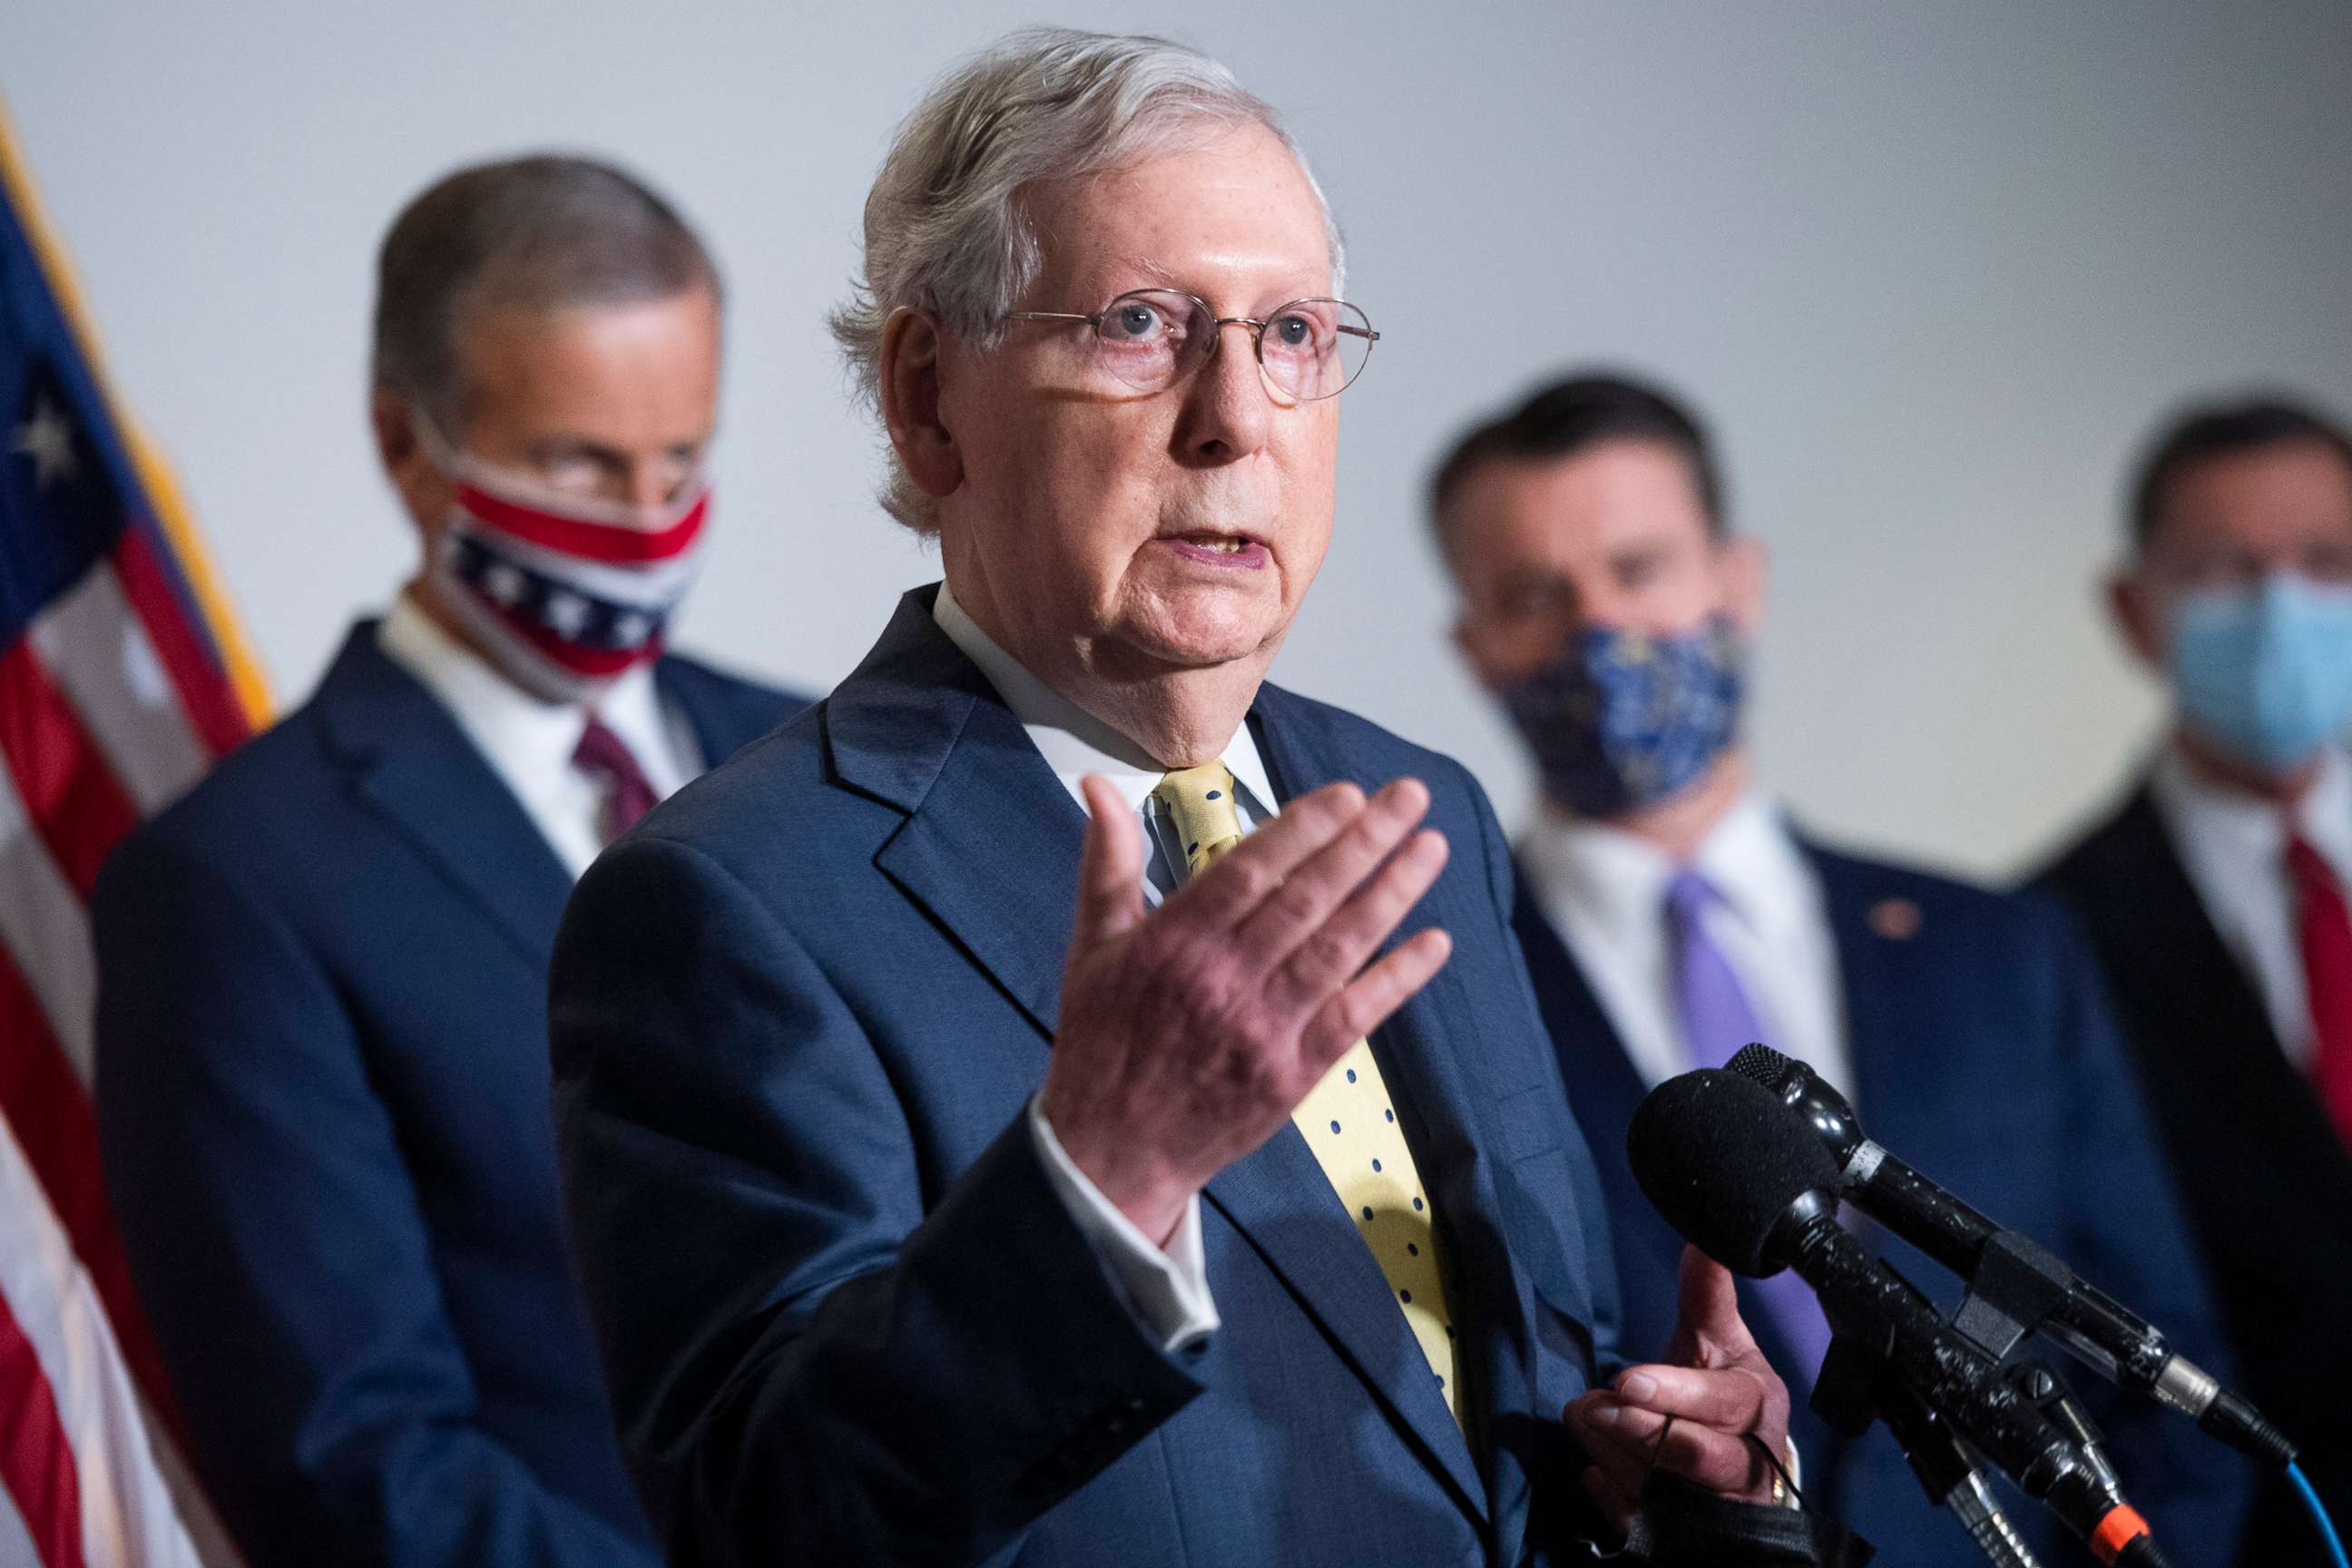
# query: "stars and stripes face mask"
{"points": [[565, 593]]}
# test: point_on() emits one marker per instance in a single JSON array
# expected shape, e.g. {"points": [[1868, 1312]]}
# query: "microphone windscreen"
{"points": [[1722, 1160], [1759, 1064]]}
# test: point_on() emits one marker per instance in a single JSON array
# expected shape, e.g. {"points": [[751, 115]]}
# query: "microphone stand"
{"points": [[1858, 1384]]}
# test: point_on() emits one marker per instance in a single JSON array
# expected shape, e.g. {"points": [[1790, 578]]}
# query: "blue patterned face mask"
{"points": [[1623, 718], [2264, 674]]}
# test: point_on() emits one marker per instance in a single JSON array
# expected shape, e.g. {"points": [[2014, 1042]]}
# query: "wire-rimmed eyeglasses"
{"points": [[1151, 338]]}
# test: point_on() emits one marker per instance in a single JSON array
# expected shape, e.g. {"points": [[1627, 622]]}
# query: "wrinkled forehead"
{"points": [[1228, 213]]}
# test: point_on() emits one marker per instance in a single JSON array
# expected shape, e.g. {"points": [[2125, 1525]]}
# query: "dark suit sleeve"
{"points": [[2131, 1239], [279, 1251], [820, 1350], [1600, 1252]]}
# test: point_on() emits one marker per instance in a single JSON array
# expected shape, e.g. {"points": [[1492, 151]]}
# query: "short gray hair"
{"points": [[542, 233], [945, 226]]}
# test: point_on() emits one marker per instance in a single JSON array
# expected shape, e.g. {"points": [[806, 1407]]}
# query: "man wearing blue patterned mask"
{"points": [[1670, 914], [2216, 894]]}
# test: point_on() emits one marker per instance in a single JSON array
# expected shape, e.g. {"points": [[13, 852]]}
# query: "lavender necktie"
{"points": [[1713, 1011]]}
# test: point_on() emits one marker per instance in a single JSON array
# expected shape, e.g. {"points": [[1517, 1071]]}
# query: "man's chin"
{"points": [[1163, 643]]}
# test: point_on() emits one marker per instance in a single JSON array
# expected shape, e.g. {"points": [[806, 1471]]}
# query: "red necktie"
{"points": [[628, 795], [2324, 929]]}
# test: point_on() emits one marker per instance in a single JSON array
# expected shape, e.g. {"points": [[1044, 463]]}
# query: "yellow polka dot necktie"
{"points": [[1347, 1119]]}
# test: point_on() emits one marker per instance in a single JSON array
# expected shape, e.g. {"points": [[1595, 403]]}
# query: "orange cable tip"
{"points": [[2121, 1527]]}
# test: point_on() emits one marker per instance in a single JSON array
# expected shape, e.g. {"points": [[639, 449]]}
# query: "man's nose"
{"points": [[1229, 407], [650, 482]]}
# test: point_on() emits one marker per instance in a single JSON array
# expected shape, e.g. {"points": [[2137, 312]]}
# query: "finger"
{"points": [[1599, 1423], [1731, 1399], [1329, 957], [1322, 882], [1110, 872], [1368, 1000], [1242, 879], [1710, 1330], [1715, 1460]]}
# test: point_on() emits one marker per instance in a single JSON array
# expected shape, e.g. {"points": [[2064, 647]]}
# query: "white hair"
{"points": [[946, 230]]}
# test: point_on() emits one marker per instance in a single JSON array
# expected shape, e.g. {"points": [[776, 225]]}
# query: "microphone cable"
{"points": [[2320, 1524]]}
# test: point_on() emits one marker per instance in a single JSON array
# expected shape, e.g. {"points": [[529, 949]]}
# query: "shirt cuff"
{"points": [[1168, 1290]]}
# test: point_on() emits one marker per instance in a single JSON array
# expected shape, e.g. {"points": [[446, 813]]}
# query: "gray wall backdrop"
{"points": [[1932, 269]]}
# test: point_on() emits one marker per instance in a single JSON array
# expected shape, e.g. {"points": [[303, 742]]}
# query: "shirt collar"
{"points": [[1073, 742], [2213, 812], [528, 741], [1620, 877]]}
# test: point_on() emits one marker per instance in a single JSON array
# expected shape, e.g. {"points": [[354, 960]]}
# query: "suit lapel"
{"points": [[414, 768], [1603, 1082], [1904, 1082], [693, 694], [1328, 1264], [991, 843], [2198, 971], [994, 856]]}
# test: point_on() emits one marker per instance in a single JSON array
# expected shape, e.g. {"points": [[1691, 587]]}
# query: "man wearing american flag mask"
{"points": [[323, 1069]]}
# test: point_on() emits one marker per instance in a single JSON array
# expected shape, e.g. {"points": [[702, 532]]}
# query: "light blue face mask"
{"points": [[2264, 674]]}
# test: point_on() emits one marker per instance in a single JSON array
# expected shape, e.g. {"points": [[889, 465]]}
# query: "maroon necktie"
{"points": [[2325, 931], [605, 758]]}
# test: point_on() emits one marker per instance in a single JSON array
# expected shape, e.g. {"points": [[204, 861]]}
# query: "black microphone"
{"points": [[2087, 1323], [1720, 1158]]}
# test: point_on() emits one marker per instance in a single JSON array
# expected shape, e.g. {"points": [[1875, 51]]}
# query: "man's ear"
{"points": [[424, 491], [1466, 641], [2137, 616], [1742, 562], [911, 398]]}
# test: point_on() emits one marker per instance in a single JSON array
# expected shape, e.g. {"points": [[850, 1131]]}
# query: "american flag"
{"points": [[121, 680]]}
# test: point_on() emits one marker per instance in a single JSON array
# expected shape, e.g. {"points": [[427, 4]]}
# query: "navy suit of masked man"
{"points": [[1063, 1100], [322, 1067], [1670, 915]]}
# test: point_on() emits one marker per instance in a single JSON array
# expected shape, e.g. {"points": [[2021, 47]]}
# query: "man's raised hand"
{"points": [[1189, 1033]]}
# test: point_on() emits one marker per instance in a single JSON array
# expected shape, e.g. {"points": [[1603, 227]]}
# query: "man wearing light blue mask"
{"points": [[2215, 895], [1670, 913]]}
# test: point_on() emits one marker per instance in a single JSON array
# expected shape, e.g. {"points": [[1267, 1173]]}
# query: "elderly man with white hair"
{"points": [[1064, 1099]]}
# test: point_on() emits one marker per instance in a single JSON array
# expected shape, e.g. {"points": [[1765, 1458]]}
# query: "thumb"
{"points": [[1710, 1332], [1110, 874]]}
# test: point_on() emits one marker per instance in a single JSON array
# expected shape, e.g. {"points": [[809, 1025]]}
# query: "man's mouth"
{"points": [[1218, 548]]}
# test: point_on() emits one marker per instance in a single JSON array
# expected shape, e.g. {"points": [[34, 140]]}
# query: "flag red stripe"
{"points": [[37, 1462], [56, 1126], [183, 650], [609, 541], [77, 805]]}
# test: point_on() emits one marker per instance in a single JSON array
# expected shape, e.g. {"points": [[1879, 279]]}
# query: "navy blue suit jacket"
{"points": [[322, 1100], [1984, 1055], [2267, 1180], [797, 1016]]}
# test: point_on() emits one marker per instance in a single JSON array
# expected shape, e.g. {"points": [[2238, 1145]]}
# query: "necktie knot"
{"points": [[2309, 868], [1689, 894], [604, 757], [1200, 801]]}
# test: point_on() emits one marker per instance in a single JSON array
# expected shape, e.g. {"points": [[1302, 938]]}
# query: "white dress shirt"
{"points": [[1168, 1289], [528, 741], [2234, 847], [1604, 890]]}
